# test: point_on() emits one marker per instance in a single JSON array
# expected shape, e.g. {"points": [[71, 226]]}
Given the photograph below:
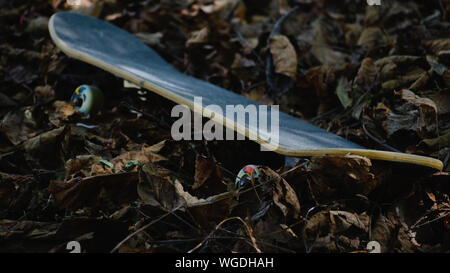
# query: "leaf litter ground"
{"points": [[117, 182]]}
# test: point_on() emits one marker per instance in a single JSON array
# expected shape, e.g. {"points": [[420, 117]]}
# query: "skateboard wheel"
{"points": [[88, 99], [245, 175]]}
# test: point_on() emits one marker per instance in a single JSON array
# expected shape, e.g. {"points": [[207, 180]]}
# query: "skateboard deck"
{"points": [[112, 49]]}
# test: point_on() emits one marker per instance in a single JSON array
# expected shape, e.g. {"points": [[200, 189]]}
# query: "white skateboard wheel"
{"points": [[245, 175], [88, 99]]}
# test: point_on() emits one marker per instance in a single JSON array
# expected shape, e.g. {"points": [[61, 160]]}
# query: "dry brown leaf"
{"points": [[446, 77], [23, 123], [56, 3], [198, 37], [343, 220], [96, 191], [223, 7], [322, 78], [352, 33], [397, 122], [44, 92], [325, 230], [284, 56], [412, 98], [435, 65], [120, 161], [63, 109], [156, 148], [367, 73], [441, 141], [444, 57], [351, 174], [328, 56], [259, 95], [422, 80], [442, 101], [82, 164], [206, 170], [371, 38], [396, 59], [151, 39], [400, 81], [372, 15], [435, 46], [282, 193], [48, 148], [283, 7], [159, 187]]}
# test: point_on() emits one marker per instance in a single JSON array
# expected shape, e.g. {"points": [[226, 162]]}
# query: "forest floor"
{"points": [[117, 182]]}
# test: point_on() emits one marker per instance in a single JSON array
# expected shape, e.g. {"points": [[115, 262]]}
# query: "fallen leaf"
{"points": [[439, 142], [44, 92], [156, 148], [160, 188], [398, 122], [436, 66], [120, 162], [81, 165], [435, 46], [442, 101], [259, 95], [350, 174], [322, 78], [206, 171], [366, 73], [446, 77], [343, 92], [343, 220], [151, 39], [371, 38], [412, 98], [198, 37], [101, 191], [63, 110], [284, 56], [48, 148]]}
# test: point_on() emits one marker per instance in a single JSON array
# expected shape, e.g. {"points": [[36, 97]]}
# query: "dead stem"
{"points": [[249, 231]]}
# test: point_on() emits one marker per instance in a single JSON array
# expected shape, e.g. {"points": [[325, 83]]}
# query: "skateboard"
{"points": [[110, 48]]}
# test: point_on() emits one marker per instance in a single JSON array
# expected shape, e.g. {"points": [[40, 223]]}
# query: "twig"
{"points": [[147, 115], [246, 43], [381, 143], [280, 21], [249, 231], [230, 13], [415, 226], [143, 228], [273, 179], [269, 61]]}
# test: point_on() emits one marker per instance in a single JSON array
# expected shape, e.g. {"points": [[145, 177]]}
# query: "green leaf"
{"points": [[342, 91], [132, 163], [107, 163]]}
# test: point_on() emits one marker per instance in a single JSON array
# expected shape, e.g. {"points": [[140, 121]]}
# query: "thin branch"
{"points": [[143, 228], [249, 231]]}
